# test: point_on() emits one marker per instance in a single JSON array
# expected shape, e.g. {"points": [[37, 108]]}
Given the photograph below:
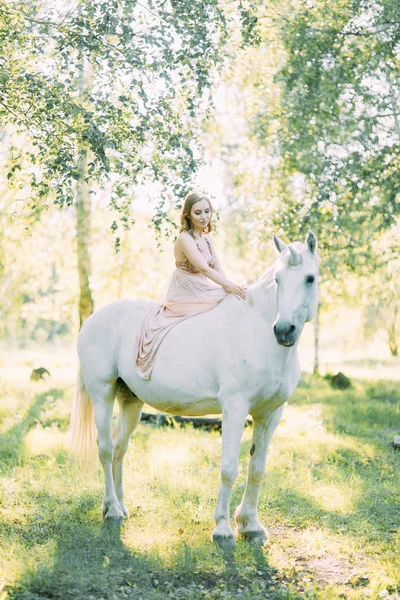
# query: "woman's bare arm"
{"points": [[188, 246]]}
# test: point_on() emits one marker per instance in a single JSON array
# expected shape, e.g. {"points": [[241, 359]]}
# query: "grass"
{"points": [[330, 499]]}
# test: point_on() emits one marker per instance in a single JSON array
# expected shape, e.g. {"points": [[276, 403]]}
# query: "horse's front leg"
{"points": [[233, 420], [248, 524]]}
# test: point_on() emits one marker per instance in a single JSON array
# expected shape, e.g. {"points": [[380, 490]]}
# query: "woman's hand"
{"points": [[240, 291]]}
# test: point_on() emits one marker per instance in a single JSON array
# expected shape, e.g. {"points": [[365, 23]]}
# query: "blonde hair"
{"points": [[190, 199]]}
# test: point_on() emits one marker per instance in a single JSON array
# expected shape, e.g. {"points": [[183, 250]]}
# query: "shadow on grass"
{"points": [[374, 517], [86, 559], [12, 441], [369, 411]]}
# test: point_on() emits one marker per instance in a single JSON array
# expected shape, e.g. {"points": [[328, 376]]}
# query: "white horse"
{"points": [[239, 358]]}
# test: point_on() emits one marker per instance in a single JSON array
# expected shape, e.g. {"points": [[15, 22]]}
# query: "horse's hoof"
{"points": [[255, 537], [114, 515], [113, 521], [225, 542]]}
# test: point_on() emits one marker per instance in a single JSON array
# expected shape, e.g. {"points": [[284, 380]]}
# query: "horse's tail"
{"points": [[82, 427]]}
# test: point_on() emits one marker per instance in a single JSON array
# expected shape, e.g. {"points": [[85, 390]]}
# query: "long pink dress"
{"points": [[188, 293]]}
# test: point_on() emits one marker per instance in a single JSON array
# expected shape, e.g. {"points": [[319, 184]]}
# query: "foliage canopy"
{"points": [[150, 66], [340, 120]]}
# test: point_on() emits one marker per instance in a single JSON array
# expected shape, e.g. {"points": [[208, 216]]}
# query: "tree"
{"points": [[151, 65], [340, 120], [323, 136], [341, 129], [138, 120]]}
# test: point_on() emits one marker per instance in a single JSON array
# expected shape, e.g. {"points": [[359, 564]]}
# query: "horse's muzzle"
{"points": [[285, 333]]}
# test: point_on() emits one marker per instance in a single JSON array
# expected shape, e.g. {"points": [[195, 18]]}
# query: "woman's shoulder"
{"points": [[183, 237]]}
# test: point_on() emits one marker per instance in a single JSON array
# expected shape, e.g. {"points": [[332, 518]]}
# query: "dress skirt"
{"points": [[187, 294]]}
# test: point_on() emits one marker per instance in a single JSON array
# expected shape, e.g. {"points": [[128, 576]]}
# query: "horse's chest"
{"points": [[275, 388]]}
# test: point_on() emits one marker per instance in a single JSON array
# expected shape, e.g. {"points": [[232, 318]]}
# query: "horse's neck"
{"points": [[262, 294]]}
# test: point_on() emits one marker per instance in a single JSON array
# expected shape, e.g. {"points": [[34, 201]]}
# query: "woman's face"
{"points": [[200, 214]]}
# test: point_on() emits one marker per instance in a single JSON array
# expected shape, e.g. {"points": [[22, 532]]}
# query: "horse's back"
{"points": [[100, 336], [129, 308]]}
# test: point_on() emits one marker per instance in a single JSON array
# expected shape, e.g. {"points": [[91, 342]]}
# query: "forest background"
{"points": [[288, 113]]}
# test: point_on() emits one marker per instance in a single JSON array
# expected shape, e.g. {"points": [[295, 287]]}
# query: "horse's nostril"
{"points": [[292, 328], [275, 329]]}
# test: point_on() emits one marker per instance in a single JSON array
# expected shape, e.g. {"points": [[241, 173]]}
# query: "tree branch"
{"points": [[18, 118]]}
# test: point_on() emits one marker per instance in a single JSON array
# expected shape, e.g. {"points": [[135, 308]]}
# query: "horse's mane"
{"points": [[267, 278]]}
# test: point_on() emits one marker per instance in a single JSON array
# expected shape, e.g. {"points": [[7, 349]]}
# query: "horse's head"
{"points": [[296, 276]]}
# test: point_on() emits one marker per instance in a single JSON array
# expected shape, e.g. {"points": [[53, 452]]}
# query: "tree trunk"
{"points": [[392, 341], [316, 341], [83, 218], [83, 228]]}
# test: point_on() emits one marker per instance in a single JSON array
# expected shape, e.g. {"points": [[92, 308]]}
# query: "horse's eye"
{"points": [[310, 279]]}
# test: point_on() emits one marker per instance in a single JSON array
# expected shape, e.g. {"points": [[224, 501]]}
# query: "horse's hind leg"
{"points": [[130, 410], [103, 396]]}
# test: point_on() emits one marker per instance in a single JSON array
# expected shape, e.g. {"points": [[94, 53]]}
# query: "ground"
{"points": [[330, 500]]}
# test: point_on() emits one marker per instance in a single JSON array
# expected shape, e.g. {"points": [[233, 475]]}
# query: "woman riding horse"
{"points": [[192, 287], [239, 358]]}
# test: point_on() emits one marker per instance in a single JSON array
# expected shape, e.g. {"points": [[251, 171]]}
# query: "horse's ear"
{"points": [[311, 242], [280, 246]]}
